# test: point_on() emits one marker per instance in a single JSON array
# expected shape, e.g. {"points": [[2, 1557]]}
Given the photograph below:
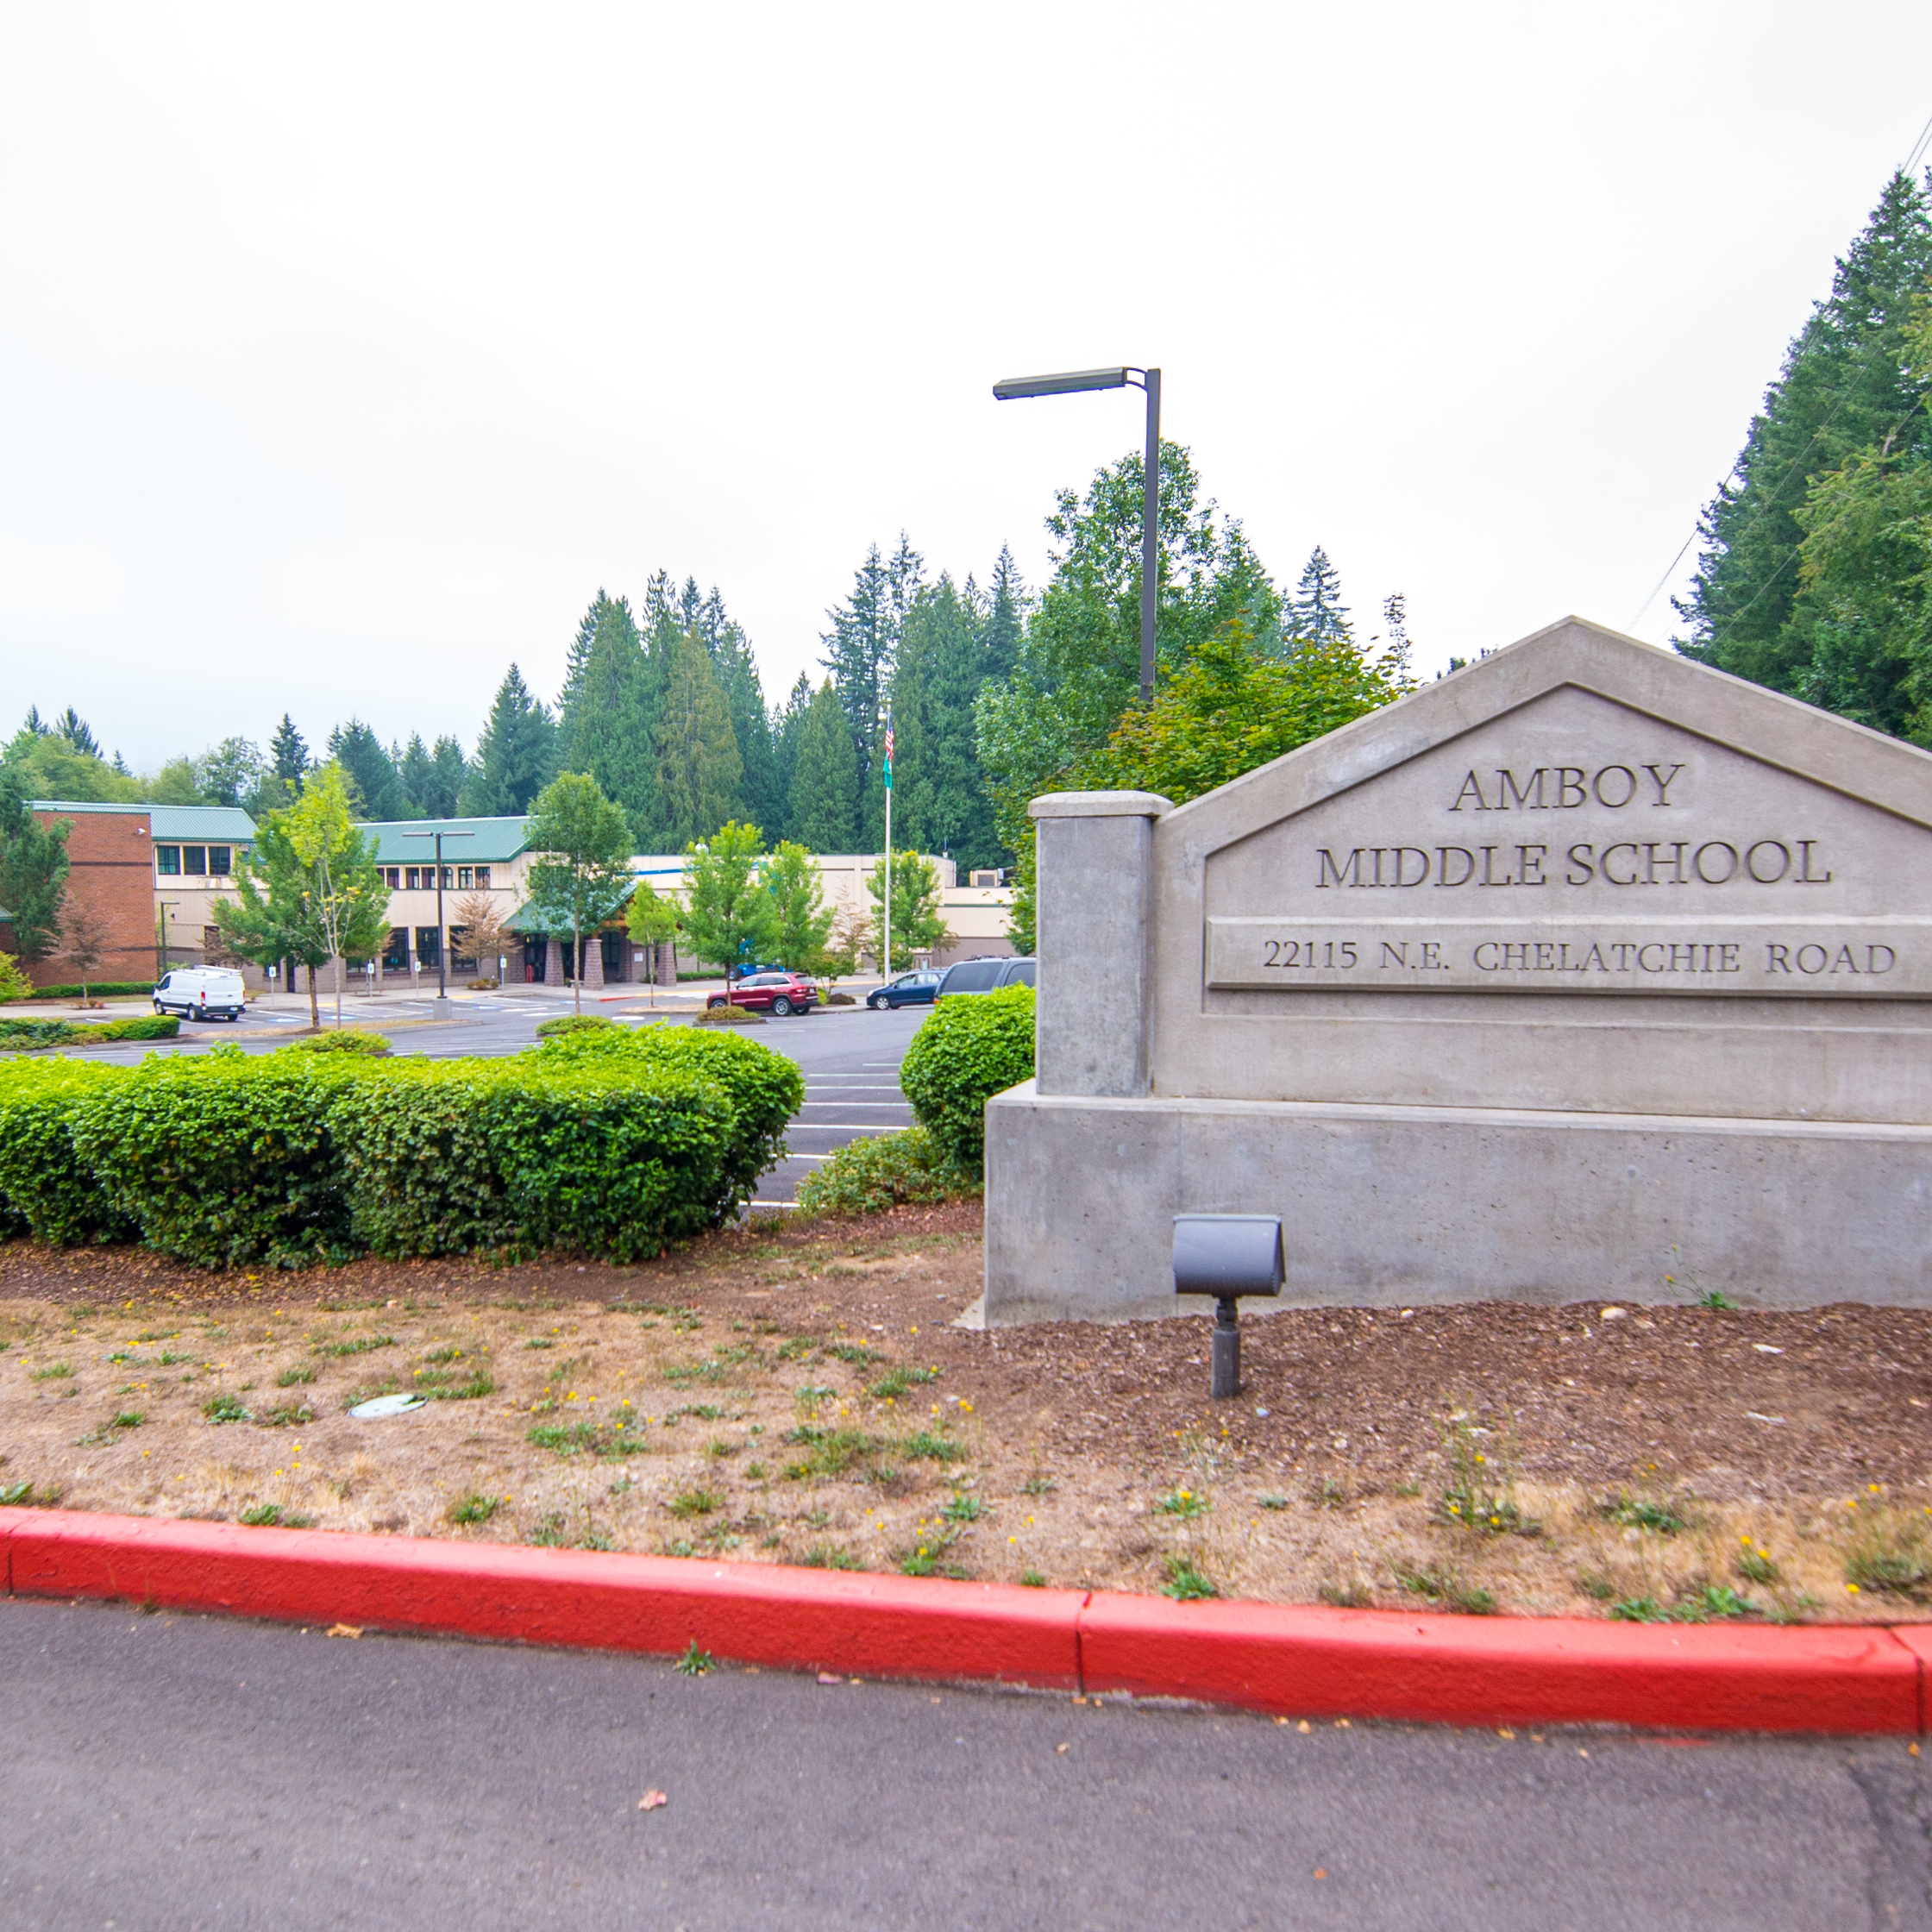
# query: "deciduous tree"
{"points": [[729, 917], [580, 873]]}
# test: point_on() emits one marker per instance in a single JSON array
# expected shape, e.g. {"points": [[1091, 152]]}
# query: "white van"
{"points": [[202, 993]]}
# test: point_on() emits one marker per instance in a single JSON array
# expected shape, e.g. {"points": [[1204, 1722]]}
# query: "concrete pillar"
{"points": [[667, 963], [553, 963], [593, 959], [1094, 925]]}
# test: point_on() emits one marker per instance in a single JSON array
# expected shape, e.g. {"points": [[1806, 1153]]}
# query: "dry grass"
{"points": [[808, 1404]]}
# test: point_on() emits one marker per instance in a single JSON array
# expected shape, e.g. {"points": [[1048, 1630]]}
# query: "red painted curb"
{"points": [[1292, 1661], [870, 1625], [1463, 1670]]}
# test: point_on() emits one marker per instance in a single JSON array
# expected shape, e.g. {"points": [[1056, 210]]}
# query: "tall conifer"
{"points": [[822, 813], [698, 769]]}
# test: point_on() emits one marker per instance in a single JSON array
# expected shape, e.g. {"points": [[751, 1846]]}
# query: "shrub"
{"points": [[866, 1176], [616, 1157], [30, 1033], [572, 1023], [46, 1185], [344, 1039], [727, 1016], [14, 983], [764, 1089], [973, 1047], [223, 1159], [97, 989], [142, 1026]]}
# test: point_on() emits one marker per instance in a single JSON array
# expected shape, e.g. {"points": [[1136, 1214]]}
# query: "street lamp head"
{"points": [[1066, 384]]}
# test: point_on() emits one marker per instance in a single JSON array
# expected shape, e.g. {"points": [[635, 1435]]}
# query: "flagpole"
{"points": [[887, 960]]}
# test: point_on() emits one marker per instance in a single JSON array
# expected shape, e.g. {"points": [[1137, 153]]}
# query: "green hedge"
{"points": [[26, 1035], [881, 1171], [610, 1144], [97, 989], [343, 1039], [572, 1022], [974, 1045]]}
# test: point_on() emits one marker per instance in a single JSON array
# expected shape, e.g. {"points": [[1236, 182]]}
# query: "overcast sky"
{"points": [[345, 353]]}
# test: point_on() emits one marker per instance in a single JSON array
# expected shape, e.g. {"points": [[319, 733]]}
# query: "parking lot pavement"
{"points": [[171, 1771]]}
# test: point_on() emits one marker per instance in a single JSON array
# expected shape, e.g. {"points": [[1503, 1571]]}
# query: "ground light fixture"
{"points": [[1227, 1256], [1071, 383]]}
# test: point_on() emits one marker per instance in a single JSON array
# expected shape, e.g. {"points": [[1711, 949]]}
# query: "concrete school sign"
{"points": [[1583, 967]]}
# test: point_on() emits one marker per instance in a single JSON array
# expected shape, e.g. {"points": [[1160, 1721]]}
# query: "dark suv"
{"points": [[777, 992], [985, 976]]}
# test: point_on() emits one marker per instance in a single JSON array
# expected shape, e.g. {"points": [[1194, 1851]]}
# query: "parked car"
{"points": [[984, 975], [778, 992], [909, 989], [202, 993]]}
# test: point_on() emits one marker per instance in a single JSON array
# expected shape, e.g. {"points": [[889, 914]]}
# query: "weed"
{"points": [[1346, 1596], [705, 1411], [1892, 1560], [964, 1509], [1479, 1495], [1660, 1519], [1639, 1609], [54, 1371], [286, 1414], [856, 1353], [1186, 1581], [754, 1473], [1716, 1603], [895, 1382], [927, 1446], [830, 1452], [696, 1662], [826, 1556], [290, 1378], [551, 1532], [809, 1395], [127, 1419], [1755, 1565], [928, 1558], [474, 1507], [358, 1344], [272, 1516], [1032, 1579], [817, 1519], [169, 1361], [692, 1502], [225, 1407], [1328, 1493], [1596, 1586], [797, 1349], [1183, 1503], [679, 1546], [612, 1442], [1715, 1299], [1273, 1502], [718, 1448], [1037, 1484], [16, 1495], [1440, 1583], [540, 1341]]}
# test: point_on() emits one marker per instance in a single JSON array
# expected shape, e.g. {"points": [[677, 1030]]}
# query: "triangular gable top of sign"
{"points": [[1778, 731]]}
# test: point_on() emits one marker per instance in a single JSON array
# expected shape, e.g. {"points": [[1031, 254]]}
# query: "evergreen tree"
{"points": [[34, 867], [1006, 621], [443, 799], [1315, 614], [1847, 385], [515, 754], [787, 727], [822, 811], [231, 771], [860, 647], [377, 792], [73, 727], [609, 714], [288, 756], [416, 772], [943, 805], [737, 672], [698, 769]]}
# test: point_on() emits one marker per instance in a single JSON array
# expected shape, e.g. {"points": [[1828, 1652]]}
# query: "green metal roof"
{"points": [[227, 824], [491, 841]]}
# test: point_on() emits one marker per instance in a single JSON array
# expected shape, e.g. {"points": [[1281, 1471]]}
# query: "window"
{"points": [[465, 877], [393, 877], [194, 861], [220, 861], [429, 945], [483, 878], [447, 870], [168, 861], [414, 877]]}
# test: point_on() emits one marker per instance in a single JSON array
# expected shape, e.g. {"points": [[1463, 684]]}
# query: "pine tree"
{"points": [[1006, 622], [860, 647], [943, 805], [444, 798], [1315, 614], [698, 769], [288, 755], [416, 772], [609, 716], [822, 811], [1844, 387], [73, 727], [737, 672], [515, 756], [787, 727], [378, 792]]}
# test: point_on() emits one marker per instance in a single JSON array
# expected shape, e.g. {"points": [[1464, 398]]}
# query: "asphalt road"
{"points": [[849, 1055], [163, 1772]]}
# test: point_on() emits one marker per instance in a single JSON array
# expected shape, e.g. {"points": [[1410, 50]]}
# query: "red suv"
{"points": [[778, 993]]}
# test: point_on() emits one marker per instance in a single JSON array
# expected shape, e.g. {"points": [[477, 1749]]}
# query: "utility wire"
{"points": [[1911, 161]]}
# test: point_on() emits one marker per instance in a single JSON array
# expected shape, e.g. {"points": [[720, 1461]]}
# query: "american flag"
{"points": [[888, 741]]}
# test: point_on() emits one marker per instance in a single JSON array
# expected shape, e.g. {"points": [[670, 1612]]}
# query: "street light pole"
{"points": [[1072, 382], [443, 935]]}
